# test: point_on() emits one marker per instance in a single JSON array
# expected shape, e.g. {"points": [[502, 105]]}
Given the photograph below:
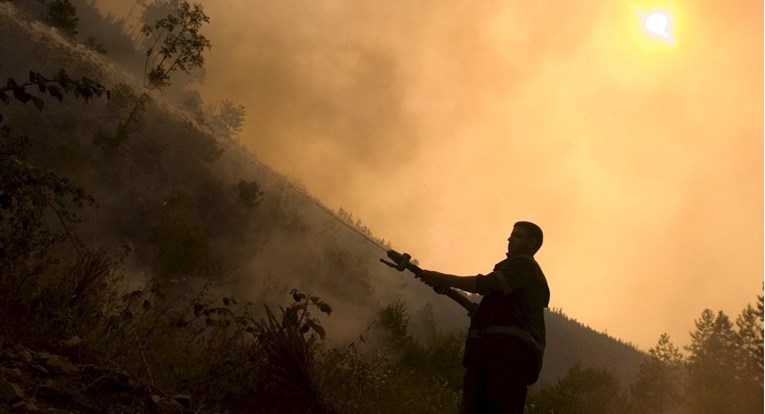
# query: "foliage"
{"points": [[219, 350], [63, 15], [234, 357], [91, 43], [27, 194], [724, 373], [230, 117], [128, 108], [659, 383], [84, 88], [402, 374], [394, 321], [249, 193], [721, 373], [581, 391], [711, 364], [570, 341], [347, 218], [38, 286], [175, 44], [225, 355], [749, 356], [290, 378], [749, 334], [181, 246]]}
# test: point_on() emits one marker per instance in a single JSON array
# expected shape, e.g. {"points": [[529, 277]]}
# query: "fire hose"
{"points": [[403, 262]]}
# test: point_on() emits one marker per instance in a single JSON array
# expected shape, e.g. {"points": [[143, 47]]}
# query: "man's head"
{"points": [[526, 239]]}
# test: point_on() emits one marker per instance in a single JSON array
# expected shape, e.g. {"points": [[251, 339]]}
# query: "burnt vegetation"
{"points": [[125, 232]]}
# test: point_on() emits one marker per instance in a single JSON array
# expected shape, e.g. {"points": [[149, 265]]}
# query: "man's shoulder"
{"points": [[519, 260], [521, 265]]}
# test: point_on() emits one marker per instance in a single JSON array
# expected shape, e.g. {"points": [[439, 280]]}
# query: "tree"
{"points": [[394, 320], [175, 43], [749, 355], [750, 338], [658, 386], [27, 192], [128, 108], [181, 246], [231, 117], [63, 15], [289, 353], [712, 365], [249, 193], [581, 391], [29, 197]]}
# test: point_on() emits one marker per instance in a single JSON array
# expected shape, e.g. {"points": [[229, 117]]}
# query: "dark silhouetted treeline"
{"points": [[720, 372]]}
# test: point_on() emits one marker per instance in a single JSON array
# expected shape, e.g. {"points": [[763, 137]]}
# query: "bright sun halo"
{"points": [[658, 24], [654, 25]]}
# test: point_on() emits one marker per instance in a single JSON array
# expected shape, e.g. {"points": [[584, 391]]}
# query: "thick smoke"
{"points": [[441, 123]]}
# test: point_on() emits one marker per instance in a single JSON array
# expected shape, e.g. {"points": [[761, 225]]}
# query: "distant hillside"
{"points": [[568, 341], [175, 182]]}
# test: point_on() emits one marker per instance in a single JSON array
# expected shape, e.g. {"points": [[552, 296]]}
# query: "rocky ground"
{"points": [[36, 381]]}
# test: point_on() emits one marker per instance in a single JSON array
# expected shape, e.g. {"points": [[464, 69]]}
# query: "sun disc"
{"points": [[658, 24], [654, 25]]}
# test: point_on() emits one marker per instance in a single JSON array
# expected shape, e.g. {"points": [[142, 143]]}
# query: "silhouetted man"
{"points": [[506, 340]]}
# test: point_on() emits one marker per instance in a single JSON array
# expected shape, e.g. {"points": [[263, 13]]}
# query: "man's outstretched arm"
{"points": [[436, 279]]}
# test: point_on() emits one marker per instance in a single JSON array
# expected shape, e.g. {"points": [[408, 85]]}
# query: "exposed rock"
{"points": [[31, 407], [72, 342], [60, 364], [63, 387], [25, 355], [10, 372], [50, 410], [166, 405], [11, 392], [40, 368]]}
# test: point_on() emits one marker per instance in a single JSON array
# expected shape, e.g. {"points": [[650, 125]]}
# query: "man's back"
{"points": [[514, 294]]}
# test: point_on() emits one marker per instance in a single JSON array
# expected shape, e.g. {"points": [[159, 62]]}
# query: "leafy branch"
{"points": [[27, 191], [84, 88], [171, 50]]}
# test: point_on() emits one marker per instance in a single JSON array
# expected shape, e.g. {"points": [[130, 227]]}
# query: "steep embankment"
{"points": [[170, 177], [168, 188]]}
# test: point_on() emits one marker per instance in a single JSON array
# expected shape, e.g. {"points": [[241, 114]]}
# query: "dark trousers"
{"points": [[489, 390]]}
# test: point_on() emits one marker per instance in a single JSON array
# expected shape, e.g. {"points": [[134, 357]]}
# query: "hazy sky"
{"points": [[440, 123]]}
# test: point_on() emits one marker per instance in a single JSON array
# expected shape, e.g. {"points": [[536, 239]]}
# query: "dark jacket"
{"points": [[508, 328]]}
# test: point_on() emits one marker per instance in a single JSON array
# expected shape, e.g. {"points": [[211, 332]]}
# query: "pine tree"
{"points": [[749, 355], [582, 391], [659, 384], [63, 15], [712, 371]]}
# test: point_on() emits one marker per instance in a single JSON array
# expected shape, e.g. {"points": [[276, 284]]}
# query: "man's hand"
{"points": [[441, 281], [431, 278]]}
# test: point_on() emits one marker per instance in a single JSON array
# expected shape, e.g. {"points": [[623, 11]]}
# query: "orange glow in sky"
{"points": [[635, 139]]}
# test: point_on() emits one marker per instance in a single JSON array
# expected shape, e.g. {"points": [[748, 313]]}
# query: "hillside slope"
{"points": [[174, 183]]}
